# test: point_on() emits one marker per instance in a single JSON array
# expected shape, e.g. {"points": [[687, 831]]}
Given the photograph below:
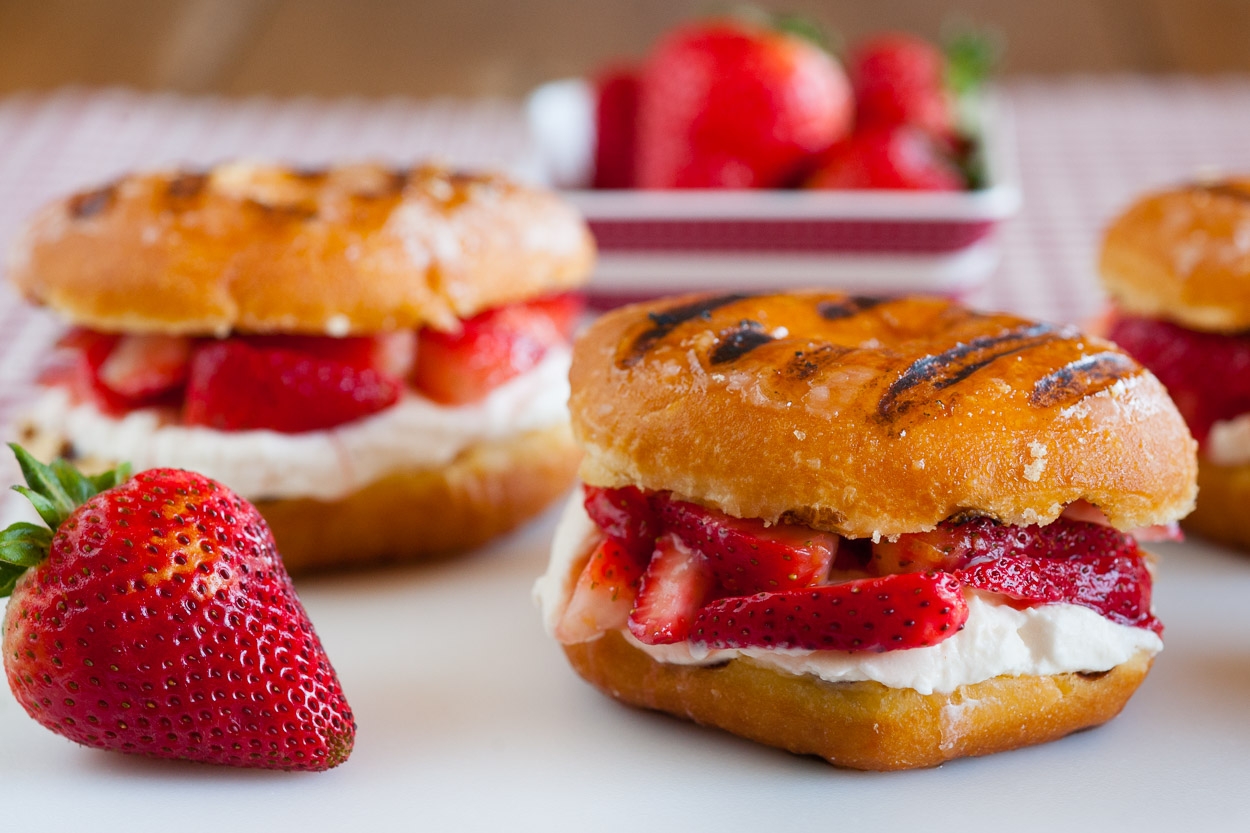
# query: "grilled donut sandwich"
{"points": [[889, 533], [1176, 264], [375, 357]]}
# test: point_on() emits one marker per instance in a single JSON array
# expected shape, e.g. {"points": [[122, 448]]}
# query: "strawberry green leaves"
{"points": [[55, 490]]}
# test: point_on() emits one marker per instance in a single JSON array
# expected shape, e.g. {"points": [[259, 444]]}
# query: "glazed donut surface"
{"points": [[263, 248], [1183, 254], [865, 416]]}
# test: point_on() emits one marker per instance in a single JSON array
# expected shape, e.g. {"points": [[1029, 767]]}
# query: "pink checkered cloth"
{"points": [[1086, 146]]}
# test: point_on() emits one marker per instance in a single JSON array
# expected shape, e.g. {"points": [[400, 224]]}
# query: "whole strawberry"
{"points": [[730, 104], [900, 79], [155, 617]]}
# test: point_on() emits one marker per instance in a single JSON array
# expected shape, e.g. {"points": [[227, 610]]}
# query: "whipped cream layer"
{"points": [[325, 465], [1228, 444], [997, 640]]}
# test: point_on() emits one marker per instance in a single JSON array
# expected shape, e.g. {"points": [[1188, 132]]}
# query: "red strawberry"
{"points": [[142, 366], [748, 556], [234, 386], [953, 546], [879, 614], [155, 617], [389, 353], [120, 373], [604, 594], [892, 157], [491, 348], [900, 79], [616, 116], [624, 514], [1207, 374], [675, 585], [1117, 586], [724, 103]]}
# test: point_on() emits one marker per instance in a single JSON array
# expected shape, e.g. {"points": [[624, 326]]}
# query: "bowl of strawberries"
{"points": [[740, 153]]}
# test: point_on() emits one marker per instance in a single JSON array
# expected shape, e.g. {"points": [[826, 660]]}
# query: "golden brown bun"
{"points": [[1183, 255], [253, 248], [861, 416], [416, 514], [1221, 513], [864, 725]]}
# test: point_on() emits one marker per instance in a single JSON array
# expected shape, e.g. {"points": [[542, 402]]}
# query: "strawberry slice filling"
{"points": [[293, 383], [682, 572], [1207, 374]]}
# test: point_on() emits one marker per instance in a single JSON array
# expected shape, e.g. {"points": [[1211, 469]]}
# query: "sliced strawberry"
{"points": [[946, 548], [616, 117], [747, 555], [879, 614], [234, 386], [953, 546], [604, 594], [390, 353], [625, 514], [491, 348], [1081, 510], [675, 585], [120, 373], [142, 366], [1117, 586]]}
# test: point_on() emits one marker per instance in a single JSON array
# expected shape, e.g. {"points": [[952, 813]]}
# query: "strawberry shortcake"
{"points": [[885, 532], [375, 357]]}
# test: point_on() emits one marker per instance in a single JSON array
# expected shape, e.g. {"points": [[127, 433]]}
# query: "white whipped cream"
{"points": [[1228, 444], [997, 640], [325, 465]]}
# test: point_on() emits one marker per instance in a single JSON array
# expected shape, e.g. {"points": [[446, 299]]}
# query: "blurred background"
{"points": [[503, 47]]}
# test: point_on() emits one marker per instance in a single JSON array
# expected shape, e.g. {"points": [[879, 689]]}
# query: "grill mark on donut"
{"points": [[91, 203], [284, 211], [310, 176], [186, 185], [1224, 189], [849, 308], [938, 372], [807, 363], [736, 342], [668, 320], [1080, 378]]}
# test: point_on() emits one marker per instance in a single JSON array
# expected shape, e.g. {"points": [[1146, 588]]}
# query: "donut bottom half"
{"points": [[861, 725], [1223, 510]]}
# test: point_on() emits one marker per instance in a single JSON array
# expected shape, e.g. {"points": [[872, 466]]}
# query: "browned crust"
{"points": [[1223, 495], [863, 725], [1181, 254], [419, 515], [865, 417], [261, 248]]}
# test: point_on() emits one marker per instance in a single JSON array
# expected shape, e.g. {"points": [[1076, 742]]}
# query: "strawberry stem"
{"points": [[55, 491]]}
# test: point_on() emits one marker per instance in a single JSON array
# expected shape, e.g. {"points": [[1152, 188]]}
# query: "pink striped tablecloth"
{"points": [[1085, 146]]}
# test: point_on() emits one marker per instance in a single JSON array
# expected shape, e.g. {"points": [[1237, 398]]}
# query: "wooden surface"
{"points": [[504, 47]]}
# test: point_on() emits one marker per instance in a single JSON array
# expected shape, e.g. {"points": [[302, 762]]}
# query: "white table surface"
{"points": [[470, 719]]}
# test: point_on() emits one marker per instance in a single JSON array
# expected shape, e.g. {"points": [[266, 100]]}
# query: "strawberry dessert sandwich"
{"points": [[889, 533], [376, 358], [1177, 267]]}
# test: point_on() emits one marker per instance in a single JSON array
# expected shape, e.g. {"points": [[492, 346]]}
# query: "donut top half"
{"points": [[869, 417]]}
